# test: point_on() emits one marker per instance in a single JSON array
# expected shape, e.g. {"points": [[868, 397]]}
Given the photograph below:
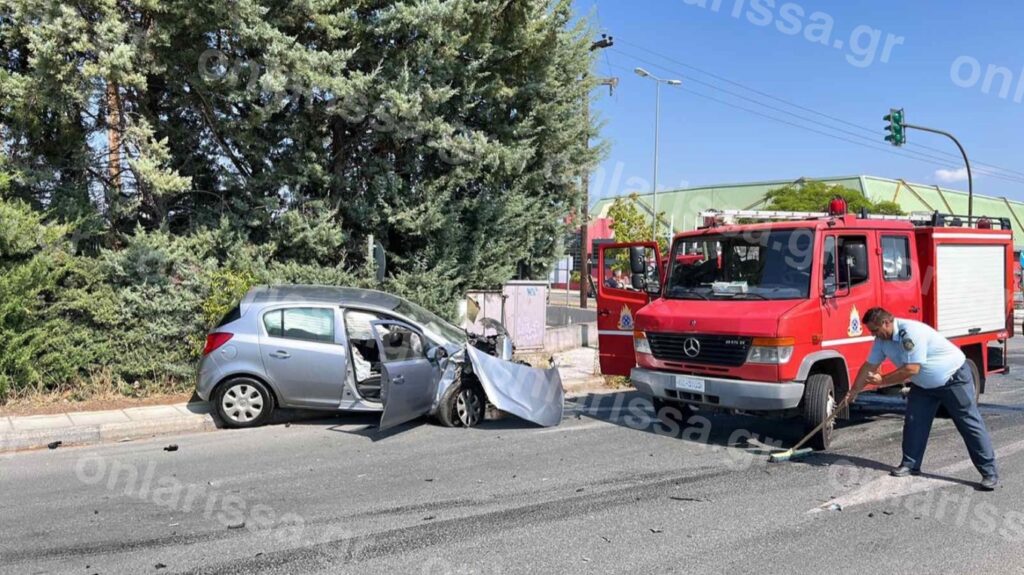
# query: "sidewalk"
{"points": [[577, 368]]}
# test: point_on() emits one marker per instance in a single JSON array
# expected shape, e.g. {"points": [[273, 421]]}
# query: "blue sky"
{"points": [[767, 48]]}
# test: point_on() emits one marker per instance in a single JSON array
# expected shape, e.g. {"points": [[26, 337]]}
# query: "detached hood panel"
{"points": [[531, 393]]}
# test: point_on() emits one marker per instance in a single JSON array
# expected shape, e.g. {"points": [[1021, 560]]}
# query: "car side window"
{"points": [[895, 258], [828, 263], [302, 323]]}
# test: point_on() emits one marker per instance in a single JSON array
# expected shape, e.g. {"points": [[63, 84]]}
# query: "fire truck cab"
{"points": [[768, 319]]}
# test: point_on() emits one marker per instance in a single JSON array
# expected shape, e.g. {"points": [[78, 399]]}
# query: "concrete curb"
{"points": [[91, 433]]}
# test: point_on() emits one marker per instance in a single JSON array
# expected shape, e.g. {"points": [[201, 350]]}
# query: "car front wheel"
{"points": [[243, 402], [463, 405]]}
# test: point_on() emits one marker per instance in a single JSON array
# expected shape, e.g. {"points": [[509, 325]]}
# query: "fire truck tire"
{"points": [[671, 413], [819, 403]]}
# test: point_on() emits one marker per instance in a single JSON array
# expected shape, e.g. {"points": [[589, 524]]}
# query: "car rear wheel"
{"points": [[243, 402], [819, 404]]}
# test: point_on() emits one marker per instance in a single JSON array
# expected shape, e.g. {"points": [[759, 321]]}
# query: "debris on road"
{"points": [[55, 444], [694, 499], [171, 447], [160, 566], [236, 525], [835, 507], [653, 530]]}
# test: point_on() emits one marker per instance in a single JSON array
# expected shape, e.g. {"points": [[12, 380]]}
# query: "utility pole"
{"points": [[897, 136], [583, 266], [657, 121]]}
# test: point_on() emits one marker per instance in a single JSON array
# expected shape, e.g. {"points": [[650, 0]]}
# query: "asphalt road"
{"points": [[604, 492]]}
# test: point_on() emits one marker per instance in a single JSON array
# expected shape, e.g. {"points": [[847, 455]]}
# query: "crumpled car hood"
{"points": [[531, 393]]}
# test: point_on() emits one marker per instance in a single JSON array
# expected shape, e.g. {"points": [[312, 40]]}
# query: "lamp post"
{"points": [[657, 120]]}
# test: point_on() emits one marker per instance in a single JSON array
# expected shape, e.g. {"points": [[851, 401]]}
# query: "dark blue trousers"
{"points": [[957, 396]]}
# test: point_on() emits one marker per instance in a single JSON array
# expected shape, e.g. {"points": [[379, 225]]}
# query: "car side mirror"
{"points": [[638, 281], [637, 261]]}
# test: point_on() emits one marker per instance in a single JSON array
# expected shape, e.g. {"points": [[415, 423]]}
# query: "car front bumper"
{"points": [[724, 393]]}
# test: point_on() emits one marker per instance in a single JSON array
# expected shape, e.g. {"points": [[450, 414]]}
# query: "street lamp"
{"points": [[657, 118]]}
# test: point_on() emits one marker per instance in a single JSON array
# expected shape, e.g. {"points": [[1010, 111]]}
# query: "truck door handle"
{"points": [[281, 354], [604, 313], [914, 309], [398, 379]]}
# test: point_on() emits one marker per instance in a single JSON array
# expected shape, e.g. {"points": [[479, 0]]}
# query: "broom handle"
{"points": [[822, 425]]}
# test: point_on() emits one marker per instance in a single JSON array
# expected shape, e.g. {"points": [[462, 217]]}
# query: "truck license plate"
{"points": [[692, 384]]}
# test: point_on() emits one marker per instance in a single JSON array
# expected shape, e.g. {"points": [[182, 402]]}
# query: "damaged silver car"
{"points": [[347, 349]]}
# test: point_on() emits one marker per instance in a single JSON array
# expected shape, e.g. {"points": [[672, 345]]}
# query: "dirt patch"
{"points": [[47, 405]]}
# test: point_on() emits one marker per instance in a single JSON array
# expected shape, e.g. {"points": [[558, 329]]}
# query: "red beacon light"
{"points": [[984, 224], [837, 207]]}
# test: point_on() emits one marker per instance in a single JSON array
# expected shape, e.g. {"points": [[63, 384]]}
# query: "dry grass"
{"points": [[100, 391]]}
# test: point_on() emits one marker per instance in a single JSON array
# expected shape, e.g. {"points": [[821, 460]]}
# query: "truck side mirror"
{"points": [[829, 291], [654, 288], [639, 281], [637, 261]]}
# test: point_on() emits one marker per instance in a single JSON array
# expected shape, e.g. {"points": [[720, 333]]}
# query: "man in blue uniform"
{"points": [[940, 375]]}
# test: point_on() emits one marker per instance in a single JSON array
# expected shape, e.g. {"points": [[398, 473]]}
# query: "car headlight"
{"points": [[771, 350], [640, 343]]}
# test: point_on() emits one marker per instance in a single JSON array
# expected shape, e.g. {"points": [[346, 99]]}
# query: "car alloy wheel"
{"points": [[469, 406]]}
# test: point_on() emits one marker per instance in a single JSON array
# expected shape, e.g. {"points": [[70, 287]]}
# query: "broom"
{"points": [[795, 452]]}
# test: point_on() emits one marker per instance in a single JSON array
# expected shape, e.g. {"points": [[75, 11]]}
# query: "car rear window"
{"points": [[233, 315]]}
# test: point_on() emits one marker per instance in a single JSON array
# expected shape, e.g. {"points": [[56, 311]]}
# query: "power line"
{"points": [[866, 142], [801, 107]]}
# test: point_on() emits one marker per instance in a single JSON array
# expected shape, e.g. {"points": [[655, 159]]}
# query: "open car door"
{"points": [[408, 378], [629, 275]]}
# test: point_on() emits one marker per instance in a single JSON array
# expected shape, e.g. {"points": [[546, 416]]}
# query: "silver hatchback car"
{"points": [[348, 349]]}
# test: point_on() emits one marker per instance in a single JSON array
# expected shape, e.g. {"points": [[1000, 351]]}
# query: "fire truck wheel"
{"points": [[672, 413], [819, 403]]}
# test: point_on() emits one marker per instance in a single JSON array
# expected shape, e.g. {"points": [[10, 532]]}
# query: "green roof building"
{"points": [[681, 207]]}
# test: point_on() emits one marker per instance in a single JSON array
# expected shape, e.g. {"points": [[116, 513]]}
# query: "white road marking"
{"points": [[888, 487], [583, 427]]}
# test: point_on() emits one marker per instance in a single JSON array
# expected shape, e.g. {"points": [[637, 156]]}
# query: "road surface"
{"points": [[608, 491]]}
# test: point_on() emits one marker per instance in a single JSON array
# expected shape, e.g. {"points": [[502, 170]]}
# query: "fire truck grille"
{"points": [[722, 350]]}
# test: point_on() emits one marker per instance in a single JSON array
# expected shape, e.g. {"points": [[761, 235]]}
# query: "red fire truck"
{"points": [[769, 320]]}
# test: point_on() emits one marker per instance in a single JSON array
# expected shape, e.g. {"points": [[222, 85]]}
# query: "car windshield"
{"points": [[431, 322], [754, 265]]}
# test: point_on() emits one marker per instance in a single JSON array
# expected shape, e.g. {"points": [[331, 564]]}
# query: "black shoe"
{"points": [[988, 483], [903, 471]]}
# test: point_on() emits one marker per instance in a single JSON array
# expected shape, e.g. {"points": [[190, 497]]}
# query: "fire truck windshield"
{"points": [[754, 265]]}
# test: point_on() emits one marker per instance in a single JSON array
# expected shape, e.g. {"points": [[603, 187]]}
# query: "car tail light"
{"points": [[215, 340]]}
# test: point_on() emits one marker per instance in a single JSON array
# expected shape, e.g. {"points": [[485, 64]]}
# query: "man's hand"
{"points": [[874, 378]]}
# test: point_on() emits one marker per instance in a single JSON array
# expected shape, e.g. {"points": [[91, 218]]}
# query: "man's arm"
{"points": [[900, 375], [866, 374]]}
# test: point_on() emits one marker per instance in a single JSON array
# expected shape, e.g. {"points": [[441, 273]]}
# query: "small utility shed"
{"points": [[682, 206]]}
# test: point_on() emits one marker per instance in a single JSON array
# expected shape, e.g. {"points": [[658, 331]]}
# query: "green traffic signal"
{"points": [[896, 128]]}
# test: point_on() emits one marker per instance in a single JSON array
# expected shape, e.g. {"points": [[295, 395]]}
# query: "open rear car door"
{"points": [[629, 276], [408, 378]]}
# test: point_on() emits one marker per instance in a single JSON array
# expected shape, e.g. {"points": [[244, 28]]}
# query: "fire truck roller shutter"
{"points": [[970, 289]]}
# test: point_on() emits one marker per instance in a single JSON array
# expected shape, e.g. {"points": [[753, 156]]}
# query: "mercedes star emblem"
{"points": [[691, 347]]}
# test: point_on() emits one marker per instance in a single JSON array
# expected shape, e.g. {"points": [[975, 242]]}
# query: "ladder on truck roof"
{"points": [[934, 219]]}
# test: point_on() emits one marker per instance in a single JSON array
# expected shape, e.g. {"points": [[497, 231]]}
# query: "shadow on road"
{"points": [[759, 435]]}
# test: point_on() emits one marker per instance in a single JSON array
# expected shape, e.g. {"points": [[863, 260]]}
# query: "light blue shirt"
{"points": [[915, 342]]}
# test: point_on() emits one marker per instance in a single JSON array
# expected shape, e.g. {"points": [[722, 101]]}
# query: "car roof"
{"points": [[333, 295]]}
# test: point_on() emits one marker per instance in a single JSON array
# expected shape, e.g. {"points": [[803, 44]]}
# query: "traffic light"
{"points": [[896, 128]]}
